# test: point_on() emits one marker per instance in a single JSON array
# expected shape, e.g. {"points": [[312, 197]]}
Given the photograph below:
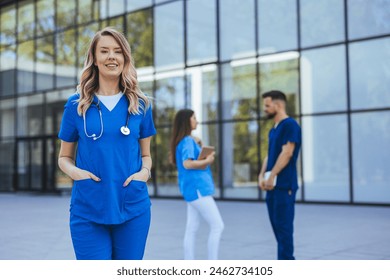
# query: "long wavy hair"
{"points": [[181, 128], [89, 81]]}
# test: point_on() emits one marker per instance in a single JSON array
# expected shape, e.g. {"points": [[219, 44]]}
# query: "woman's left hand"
{"points": [[141, 175]]}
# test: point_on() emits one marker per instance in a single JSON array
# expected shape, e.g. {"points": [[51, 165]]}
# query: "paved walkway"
{"points": [[35, 227]]}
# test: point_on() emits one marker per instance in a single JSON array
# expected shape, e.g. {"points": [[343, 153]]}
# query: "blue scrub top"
{"points": [[288, 130], [112, 158], [192, 180]]}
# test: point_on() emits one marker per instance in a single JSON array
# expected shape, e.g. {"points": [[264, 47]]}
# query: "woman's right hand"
{"points": [[81, 174], [210, 158]]}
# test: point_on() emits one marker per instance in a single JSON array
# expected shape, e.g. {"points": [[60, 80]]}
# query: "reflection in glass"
{"points": [[368, 18], [240, 159], [54, 109], [239, 90], [7, 148], [277, 30], [7, 71], [26, 20], [138, 4], [370, 153], [169, 96], [29, 121], [280, 72], [237, 32], [7, 118], [369, 73], [323, 80], [322, 22], [45, 20], [85, 11], [325, 158], [66, 58], [140, 37], [166, 173], [66, 13], [25, 65], [85, 34], [169, 35], [44, 63], [202, 85], [8, 25], [116, 7], [201, 31], [103, 8], [117, 23]]}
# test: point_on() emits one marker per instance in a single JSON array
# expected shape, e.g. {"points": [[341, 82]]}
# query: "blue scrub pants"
{"points": [[126, 241], [280, 204]]}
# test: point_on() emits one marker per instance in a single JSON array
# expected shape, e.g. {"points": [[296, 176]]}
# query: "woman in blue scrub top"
{"points": [[110, 121], [196, 185]]}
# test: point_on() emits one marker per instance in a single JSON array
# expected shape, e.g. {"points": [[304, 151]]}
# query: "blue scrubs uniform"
{"points": [[113, 158], [281, 200], [192, 180]]}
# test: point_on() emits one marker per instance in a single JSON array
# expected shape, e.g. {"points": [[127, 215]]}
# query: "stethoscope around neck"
{"points": [[124, 129]]}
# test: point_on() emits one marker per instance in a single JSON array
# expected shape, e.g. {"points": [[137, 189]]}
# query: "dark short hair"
{"points": [[275, 95]]}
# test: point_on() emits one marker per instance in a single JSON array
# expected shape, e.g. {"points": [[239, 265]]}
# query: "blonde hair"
{"points": [[89, 81]]}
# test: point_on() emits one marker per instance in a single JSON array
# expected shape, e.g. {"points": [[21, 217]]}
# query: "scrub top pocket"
{"points": [[88, 197], [136, 199]]}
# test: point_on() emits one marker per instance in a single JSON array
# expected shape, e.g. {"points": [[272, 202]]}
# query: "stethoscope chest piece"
{"points": [[125, 130]]}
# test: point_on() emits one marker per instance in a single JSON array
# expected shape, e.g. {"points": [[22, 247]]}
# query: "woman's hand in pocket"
{"points": [[81, 174], [142, 175]]}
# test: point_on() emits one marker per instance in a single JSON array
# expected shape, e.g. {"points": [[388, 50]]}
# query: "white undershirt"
{"points": [[110, 101]]}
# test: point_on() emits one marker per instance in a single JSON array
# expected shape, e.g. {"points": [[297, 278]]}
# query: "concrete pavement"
{"points": [[35, 227]]}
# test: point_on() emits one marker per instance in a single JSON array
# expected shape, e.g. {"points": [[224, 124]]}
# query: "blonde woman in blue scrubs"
{"points": [[110, 121], [196, 185]]}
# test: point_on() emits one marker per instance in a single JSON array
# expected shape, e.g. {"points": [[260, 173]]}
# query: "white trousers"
{"points": [[206, 208]]}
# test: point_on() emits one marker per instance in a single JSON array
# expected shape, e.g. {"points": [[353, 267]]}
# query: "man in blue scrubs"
{"points": [[278, 175]]}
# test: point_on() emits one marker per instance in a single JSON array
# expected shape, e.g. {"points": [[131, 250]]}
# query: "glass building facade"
{"points": [[331, 58]]}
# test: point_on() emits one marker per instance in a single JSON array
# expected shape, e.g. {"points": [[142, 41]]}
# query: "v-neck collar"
{"points": [[97, 100]]}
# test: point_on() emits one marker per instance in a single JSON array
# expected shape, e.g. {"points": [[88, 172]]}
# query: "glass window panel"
{"points": [[85, 11], [323, 80], [116, 7], [369, 74], [8, 25], [44, 63], [202, 85], [25, 66], [66, 13], [23, 165], [7, 118], [55, 101], [322, 22], [166, 173], [85, 35], [36, 164], [29, 121], [26, 20], [7, 149], [280, 72], [237, 32], [201, 31], [169, 35], [140, 37], [45, 20], [137, 4], [371, 153], [117, 23], [103, 9], [277, 25], [169, 96], [239, 90], [160, 1], [240, 160], [66, 58], [325, 158], [368, 18], [7, 71]]}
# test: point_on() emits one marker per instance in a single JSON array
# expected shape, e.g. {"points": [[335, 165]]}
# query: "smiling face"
{"points": [[109, 57]]}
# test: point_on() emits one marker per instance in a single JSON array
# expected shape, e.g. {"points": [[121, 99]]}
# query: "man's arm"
{"points": [[283, 159], [261, 174]]}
